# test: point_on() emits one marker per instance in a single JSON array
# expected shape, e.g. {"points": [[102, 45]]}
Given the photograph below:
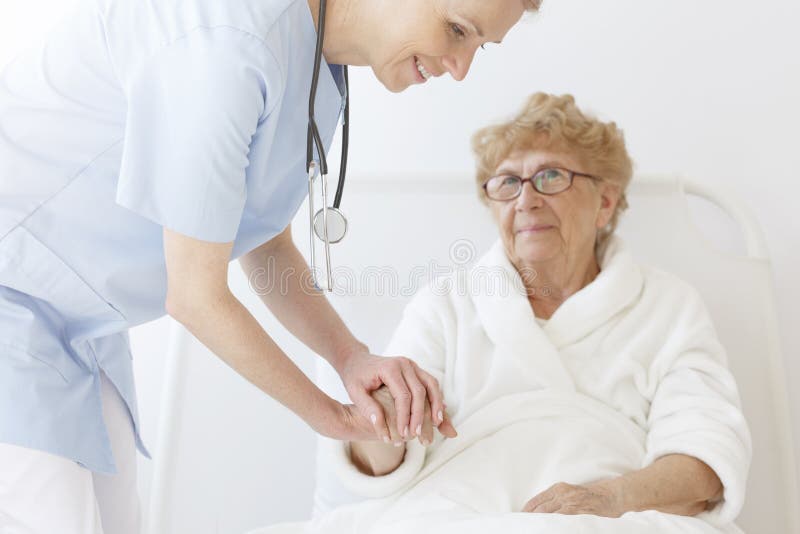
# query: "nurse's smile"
{"points": [[421, 73]]}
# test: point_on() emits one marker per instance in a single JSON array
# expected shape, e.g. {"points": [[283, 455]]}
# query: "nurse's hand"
{"points": [[359, 431], [411, 388]]}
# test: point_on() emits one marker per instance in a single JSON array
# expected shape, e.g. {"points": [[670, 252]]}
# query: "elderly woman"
{"points": [[590, 392]]}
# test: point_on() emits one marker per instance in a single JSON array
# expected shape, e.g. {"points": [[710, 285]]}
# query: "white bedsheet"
{"points": [[505, 454]]}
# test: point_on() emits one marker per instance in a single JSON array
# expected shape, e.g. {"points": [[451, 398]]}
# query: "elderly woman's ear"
{"points": [[609, 199]]}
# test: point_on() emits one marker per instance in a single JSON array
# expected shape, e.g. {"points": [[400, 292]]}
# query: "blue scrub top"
{"points": [[132, 116]]}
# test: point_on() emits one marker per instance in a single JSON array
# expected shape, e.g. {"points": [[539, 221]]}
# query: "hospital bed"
{"points": [[244, 461]]}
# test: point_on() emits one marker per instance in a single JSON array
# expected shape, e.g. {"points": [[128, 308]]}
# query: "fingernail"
{"points": [[398, 443], [419, 429], [386, 439], [405, 432], [373, 418], [440, 415]]}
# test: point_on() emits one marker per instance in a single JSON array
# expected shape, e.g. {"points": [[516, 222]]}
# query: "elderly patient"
{"points": [[580, 381]]}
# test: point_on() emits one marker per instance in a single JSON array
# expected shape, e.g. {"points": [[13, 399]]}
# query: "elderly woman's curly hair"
{"points": [[556, 124]]}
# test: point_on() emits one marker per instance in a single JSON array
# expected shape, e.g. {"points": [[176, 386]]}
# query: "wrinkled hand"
{"points": [[424, 433], [562, 498], [411, 389]]}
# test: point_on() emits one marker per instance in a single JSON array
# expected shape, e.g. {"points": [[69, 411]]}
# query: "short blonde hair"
{"points": [[549, 122]]}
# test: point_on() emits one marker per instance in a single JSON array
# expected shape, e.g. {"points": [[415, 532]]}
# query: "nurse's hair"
{"points": [[555, 123]]}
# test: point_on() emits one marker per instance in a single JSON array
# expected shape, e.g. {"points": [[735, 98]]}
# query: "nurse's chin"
{"points": [[393, 84], [396, 87]]}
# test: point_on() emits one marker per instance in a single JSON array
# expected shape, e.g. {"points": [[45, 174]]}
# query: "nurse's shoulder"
{"points": [[195, 101], [136, 30]]}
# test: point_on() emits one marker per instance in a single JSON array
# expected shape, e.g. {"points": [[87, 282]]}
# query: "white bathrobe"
{"points": [[626, 370]]}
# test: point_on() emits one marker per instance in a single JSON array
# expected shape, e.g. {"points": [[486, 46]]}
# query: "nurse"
{"points": [[144, 146]]}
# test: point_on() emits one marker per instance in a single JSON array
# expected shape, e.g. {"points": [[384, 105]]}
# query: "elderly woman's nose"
{"points": [[458, 64], [529, 197]]}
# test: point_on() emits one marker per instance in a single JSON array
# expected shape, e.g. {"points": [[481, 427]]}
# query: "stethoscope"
{"points": [[328, 223]]}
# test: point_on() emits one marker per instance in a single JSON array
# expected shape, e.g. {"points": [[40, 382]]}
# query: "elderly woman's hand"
{"points": [[412, 391], [424, 431], [674, 484], [602, 499], [378, 459]]}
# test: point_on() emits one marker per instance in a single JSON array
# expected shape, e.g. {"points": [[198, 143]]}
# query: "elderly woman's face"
{"points": [[428, 38], [538, 228]]}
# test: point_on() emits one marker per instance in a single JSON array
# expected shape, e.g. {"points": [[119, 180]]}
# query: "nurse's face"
{"points": [[428, 38]]}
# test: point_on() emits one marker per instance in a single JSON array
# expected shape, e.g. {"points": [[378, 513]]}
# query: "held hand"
{"points": [[410, 387], [602, 499], [350, 425], [424, 433]]}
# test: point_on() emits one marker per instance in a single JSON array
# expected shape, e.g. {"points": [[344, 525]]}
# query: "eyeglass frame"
{"points": [[570, 173]]}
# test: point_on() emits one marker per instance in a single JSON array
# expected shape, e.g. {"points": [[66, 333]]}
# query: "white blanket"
{"points": [[505, 454]]}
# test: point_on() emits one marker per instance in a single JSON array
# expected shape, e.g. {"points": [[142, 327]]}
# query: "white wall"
{"points": [[707, 89]]}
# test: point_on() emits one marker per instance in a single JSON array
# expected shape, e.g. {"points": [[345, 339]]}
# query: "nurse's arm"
{"points": [[199, 298], [277, 270], [279, 273]]}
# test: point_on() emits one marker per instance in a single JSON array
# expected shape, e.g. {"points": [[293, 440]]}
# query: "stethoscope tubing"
{"points": [[313, 136], [337, 200]]}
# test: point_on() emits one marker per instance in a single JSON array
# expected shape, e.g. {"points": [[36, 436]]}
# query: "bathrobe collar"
{"points": [[508, 318]]}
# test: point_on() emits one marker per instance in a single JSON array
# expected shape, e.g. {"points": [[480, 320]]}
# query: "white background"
{"points": [[707, 89]]}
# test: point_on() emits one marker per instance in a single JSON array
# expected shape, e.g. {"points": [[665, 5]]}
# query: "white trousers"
{"points": [[41, 493]]}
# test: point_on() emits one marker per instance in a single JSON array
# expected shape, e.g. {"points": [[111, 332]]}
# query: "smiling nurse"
{"points": [[143, 146]]}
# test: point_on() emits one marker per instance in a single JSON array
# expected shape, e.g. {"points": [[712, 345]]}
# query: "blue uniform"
{"points": [[136, 115]]}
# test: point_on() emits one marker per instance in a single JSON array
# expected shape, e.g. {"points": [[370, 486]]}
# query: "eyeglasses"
{"points": [[547, 182]]}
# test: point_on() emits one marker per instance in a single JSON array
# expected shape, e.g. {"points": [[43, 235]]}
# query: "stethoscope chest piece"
{"points": [[336, 224]]}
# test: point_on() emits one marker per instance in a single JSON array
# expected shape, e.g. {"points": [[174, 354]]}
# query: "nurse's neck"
{"points": [[347, 26]]}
